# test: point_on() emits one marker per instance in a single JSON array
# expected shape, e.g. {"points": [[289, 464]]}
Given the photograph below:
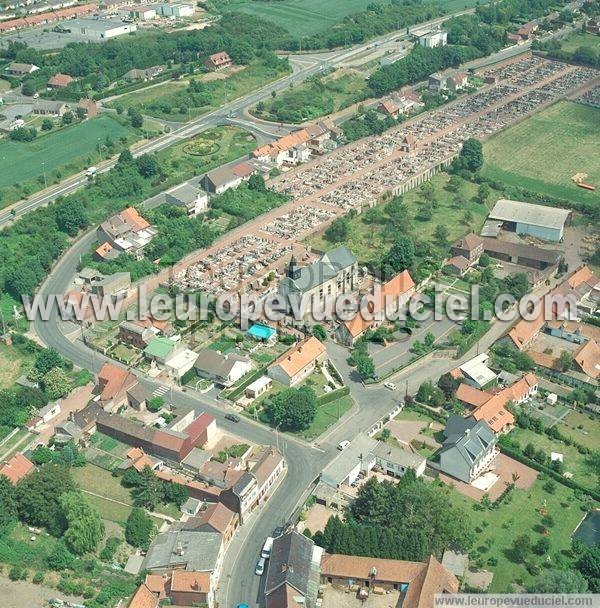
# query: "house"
{"points": [[419, 582], [407, 101], [258, 387], [215, 517], [223, 178], [113, 384], [437, 82], [191, 507], [89, 106], [469, 247], [195, 460], [388, 108], [457, 81], [21, 69], [469, 448], [395, 461], [587, 359], [139, 460], [111, 286], [218, 61], [298, 362], [41, 107], [180, 362], [292, 578], [137, 397], [223, 369], [67, 431], [347, 466], [160, 349], [433, 39], [126, 231], [185, 555], [388, 300], [319, 283], [540, 221], [521, 254], [16, 468], [592, 26], [291, 149], [143, 598], [49, 411], [146, 74], [135, 334], [187, 196], [59, 81], [476, 372], [456, 266]]}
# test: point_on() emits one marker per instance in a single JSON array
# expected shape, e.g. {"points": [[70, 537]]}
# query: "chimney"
{"points": [[179, 549]]}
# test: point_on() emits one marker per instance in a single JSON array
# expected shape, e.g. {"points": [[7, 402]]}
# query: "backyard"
{"points": [[576, 40], [496, 529], [525, 155], [13, 363], [583, 428]]}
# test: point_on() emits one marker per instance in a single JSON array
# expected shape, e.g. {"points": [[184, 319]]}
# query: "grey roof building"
{"points": [[294, 569], [192, 550], [225, 369], [469, 448], [394, 460], [347, 466]]}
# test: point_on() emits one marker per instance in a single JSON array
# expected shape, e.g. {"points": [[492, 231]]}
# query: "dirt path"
{"points": [[23, 594]]}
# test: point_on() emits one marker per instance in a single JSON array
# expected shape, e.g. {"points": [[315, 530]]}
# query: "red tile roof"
{"points": [[134, 219], [16, 468], [588, 359], [113, 380], [143, 598]]}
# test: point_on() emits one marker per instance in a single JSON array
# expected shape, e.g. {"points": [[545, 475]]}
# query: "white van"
{"points": [[342, 445], [266, 550], [91, 171]]}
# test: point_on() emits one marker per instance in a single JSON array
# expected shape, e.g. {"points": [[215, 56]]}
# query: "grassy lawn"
{"points": [[67, 150], [13, 363], [371, 241], [575, 40], [495, 530], [171, 101], [18, 440], [4, 85], [316, 97], [576, 463], [588, 434], [97, 480], [232, 143], [413, 416], [525, 155], [327, 415], [18, 549], [110, 511], [223, 343]]}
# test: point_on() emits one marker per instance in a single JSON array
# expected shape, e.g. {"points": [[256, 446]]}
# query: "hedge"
{"points": [[235, 393], [333, 395], [517, 455]]}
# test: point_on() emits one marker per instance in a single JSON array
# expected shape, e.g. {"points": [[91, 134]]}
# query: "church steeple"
{"points": [[293, 270]]}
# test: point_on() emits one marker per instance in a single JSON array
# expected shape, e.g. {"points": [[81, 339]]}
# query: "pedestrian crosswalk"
{"points": [[161, 391]]}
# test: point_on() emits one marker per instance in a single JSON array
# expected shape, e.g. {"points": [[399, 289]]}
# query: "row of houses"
{"points": [[48, 17]]}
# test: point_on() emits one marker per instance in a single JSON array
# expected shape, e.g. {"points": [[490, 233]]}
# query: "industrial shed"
{"points": [[542, 222]]}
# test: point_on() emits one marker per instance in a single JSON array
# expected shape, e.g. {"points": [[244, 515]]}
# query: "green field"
{"points": [[583, 428], [305, 17], [543, 152], [67, 150], [574, 41], [496, 529], [327, 415]]}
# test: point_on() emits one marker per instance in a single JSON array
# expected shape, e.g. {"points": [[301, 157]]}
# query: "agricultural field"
{"points": [[63, 152], [526, 154], [370, 241], [305, 17], [315, 98], [496, 529]]}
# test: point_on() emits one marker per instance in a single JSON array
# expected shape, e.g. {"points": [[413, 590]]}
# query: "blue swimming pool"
{"points": [[261, 332]]}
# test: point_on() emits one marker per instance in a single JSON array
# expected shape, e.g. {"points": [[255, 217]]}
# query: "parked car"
{"points": [[260, 567], [342, 445], [232, 417], [390, 385]]}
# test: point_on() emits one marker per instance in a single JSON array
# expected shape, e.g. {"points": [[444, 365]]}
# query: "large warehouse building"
{"points": [[546, 223]]}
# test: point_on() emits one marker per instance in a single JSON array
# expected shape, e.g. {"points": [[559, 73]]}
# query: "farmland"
{"points": [[525, 155], [576, 40], [66, 151]]}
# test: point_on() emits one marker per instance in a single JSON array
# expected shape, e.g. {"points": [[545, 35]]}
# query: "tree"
{"points": [[338, 230], [448, 385], [84, 526], [542, 546], [471, 156], [28, 88], [80, 113], [155, 404], [588, 564], [565, 361], [257, 182], [8, 501], [483, 193], [125, 157], [47, 124], [441, 233], [139, 529], [41, 455], [46, 360], [175, 493], [454, 183], [67, 118], [560, 581], [60, 558], [521, 547], [149, 491], [484, 260], [136, 118], [319, 332], [365, 366], [38, 497], [517, 285], [56, 383], [21, 280], [147, 165], [71, 216], [293, 409], [402, 254]]}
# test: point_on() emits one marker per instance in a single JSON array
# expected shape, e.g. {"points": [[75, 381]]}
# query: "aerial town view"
{"points": [[299, 303]]}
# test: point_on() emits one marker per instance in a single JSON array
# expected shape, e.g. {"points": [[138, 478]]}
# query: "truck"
{"points": [[91, 171], [266, 550]]}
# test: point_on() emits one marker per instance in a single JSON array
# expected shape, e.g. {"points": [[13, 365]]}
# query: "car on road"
{"points": [[266, 550], [342, 445], [260, 567], [390, 385], [278, 532], [232, 417]]}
